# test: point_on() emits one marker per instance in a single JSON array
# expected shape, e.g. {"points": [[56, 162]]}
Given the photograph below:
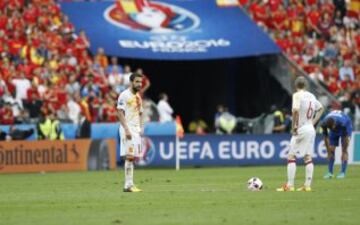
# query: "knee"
{"points": [[129, 158], [331, 151], [291, 158], [307, 159], [344, 155]]}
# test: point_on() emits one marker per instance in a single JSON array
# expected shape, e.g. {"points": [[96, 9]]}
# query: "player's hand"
{"points": [[128, 134], [294, 131]]}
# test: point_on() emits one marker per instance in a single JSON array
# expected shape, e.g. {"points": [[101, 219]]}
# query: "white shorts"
{"points": [[303, 143], [130, 147]]}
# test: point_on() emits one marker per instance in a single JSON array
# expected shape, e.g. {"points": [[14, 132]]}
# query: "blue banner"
{"points": [[216, 150], [169, 30]]}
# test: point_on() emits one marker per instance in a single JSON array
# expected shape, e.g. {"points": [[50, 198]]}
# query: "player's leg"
{"points": [[309, 171], [129, 172], [307, 150], [291, 167], [291, 170], [136, 140], [333, 141], [345, 140], [127, 152]]}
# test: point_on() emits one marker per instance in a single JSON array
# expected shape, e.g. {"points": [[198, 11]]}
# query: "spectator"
{"points": [[3, 87], [145, 82], [22, 84], [6, 114], [63, 114], [347, 83], [220, 110], [33, 106], [17, 134], [56, 131], [84, 129], [346, 69], [23, 117], [73, 109], [324, 26], [347, 105], [333, 85], [101, 59], [317, 76], [164, 108], [116, 80], [3, 135], [340, 6], [73, 86], [44, 127], [227, 122], [114, 64], [339, 19], [198, 126], [126, 75], [49, 128], [279, 120]]}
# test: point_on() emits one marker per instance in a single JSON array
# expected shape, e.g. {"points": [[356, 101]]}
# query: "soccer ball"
{"points": [[254, 184]]}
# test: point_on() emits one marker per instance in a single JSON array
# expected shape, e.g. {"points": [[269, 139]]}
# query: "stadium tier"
{"points": [[47, 68]]}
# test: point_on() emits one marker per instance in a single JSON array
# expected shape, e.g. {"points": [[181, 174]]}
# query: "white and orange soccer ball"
{"points": [[254, 184]]}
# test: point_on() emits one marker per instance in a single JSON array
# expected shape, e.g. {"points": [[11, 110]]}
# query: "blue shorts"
{"points": [[334, 137]]}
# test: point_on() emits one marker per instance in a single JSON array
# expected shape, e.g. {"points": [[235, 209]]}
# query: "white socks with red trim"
{"points": [[291, 170], [129, 171], [309, 170]]}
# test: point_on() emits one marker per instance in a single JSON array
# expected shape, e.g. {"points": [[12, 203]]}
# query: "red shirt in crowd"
{"points": [[6, 116], [33, 94]]}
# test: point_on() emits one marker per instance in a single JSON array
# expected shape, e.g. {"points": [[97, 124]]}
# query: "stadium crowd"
{"points": [[321, 36], [45, 68]]}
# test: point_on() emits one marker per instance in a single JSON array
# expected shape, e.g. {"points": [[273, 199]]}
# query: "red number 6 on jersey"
{"points": [[310, 112]]}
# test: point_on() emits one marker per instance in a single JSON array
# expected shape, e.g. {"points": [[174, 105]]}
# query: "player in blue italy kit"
{"points": [[336, 125]]}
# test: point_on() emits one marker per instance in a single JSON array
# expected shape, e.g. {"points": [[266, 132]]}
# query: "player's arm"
{"points": [[326, 135], [295, 122], [345, 143], [141, 122], [121, 116], [295, 113], [318, 113], [346, 138]]}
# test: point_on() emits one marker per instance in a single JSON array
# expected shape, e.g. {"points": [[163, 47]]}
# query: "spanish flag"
{"points": [[130, 6], [227, 3], [354, 7], [179, 127]]}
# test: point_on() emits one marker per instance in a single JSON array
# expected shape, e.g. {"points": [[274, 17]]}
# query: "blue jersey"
{"points": [[343, 127]]}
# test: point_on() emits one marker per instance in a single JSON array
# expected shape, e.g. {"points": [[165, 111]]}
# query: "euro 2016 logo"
{"points": [[153, 17], [148, 152]]}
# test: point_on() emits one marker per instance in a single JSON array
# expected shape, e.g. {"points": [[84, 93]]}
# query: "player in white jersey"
{"points": [[130, 110], [306, 112]]}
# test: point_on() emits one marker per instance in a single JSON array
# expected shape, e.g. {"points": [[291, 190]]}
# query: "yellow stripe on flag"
{"points": [[129, 6], [226, 3]]}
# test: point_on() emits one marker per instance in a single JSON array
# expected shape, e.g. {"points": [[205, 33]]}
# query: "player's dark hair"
{"points": [[300, 82], [330, 122], [162, 95], [135, 75]]}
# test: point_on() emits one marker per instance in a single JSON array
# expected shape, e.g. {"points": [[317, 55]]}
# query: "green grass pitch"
{"points": [[209, 196]]}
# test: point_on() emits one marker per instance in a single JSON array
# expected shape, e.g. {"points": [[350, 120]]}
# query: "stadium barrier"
{"points": [[50, 156], [231, 150], [355, 148], [160, 145]]}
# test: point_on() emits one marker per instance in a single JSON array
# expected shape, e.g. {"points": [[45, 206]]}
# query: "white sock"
{"points": [[129, 171], [291, 170], [309, 170]]}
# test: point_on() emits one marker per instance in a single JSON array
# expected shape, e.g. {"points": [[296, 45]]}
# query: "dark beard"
{"points": [[135, 90]]}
